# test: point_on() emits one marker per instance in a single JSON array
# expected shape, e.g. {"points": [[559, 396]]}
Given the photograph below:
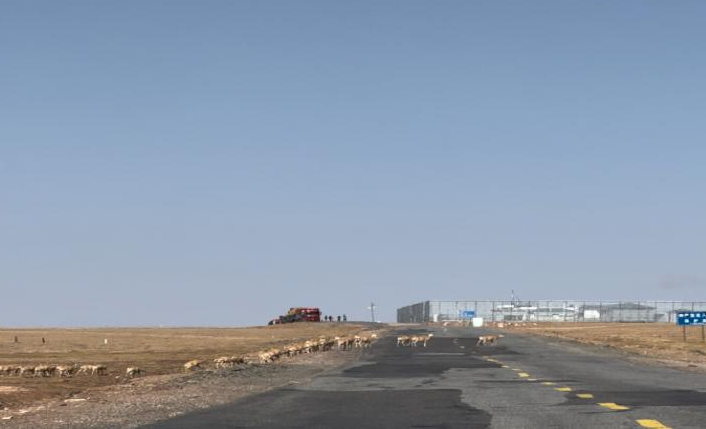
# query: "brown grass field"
{"points": [[157, 351], [662, 341]]}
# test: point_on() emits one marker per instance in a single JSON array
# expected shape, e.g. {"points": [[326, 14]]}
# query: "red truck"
{"points": [[299, 314]]}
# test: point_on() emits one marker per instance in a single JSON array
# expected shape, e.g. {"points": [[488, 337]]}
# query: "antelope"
{"points": [[192, 365], [488, 339], [403, 340], [341, 342], [426, 339], [66, 370]]}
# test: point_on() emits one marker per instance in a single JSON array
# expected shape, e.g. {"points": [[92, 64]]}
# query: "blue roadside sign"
{"points": [[691, 318], [467, 314]]}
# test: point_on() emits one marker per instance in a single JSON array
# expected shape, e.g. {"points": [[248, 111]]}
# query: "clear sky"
{"points": [[216, 162]]}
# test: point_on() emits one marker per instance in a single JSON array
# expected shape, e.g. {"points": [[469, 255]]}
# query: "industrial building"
{"points": [[546, 311]]}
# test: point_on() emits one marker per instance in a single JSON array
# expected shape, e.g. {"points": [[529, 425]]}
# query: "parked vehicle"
{"points": [[298, 314]]}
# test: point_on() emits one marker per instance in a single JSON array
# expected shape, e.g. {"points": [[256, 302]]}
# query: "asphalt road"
{"points": [[523, 382]]}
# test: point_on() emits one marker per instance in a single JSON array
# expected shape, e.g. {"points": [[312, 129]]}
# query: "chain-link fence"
{"points": [[548, 311]]}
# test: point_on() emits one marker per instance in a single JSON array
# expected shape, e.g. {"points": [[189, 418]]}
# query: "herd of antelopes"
{"points": [[412, 341], [320, 344], [266, 356], [62, 371]]}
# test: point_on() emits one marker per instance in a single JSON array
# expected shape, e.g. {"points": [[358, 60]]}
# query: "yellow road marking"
{"points": [[584, 395], [649, 423], [548, 383], [523, 374], [563, 389], [613, 406]]}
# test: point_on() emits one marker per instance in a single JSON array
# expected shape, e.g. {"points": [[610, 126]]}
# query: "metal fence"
{"points": [[548, 311]]}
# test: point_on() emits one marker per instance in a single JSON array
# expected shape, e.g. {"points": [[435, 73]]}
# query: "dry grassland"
{"points": [[662, 341], [156, 351]]}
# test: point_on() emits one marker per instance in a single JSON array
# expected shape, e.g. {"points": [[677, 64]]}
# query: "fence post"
{"points": [[564, 310], [600, 311], [512, 311]]}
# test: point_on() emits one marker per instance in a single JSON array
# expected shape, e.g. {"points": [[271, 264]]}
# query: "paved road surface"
{"points": [[523, 382]]}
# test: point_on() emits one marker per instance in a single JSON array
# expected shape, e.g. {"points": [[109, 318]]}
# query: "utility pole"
{"points": [[372, 311]]}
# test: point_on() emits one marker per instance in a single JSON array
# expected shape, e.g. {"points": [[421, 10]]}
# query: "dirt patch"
{"points": [[659, 342]]}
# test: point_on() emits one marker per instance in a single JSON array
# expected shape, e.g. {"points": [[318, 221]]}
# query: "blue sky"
{"points": [[215, 162]]}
